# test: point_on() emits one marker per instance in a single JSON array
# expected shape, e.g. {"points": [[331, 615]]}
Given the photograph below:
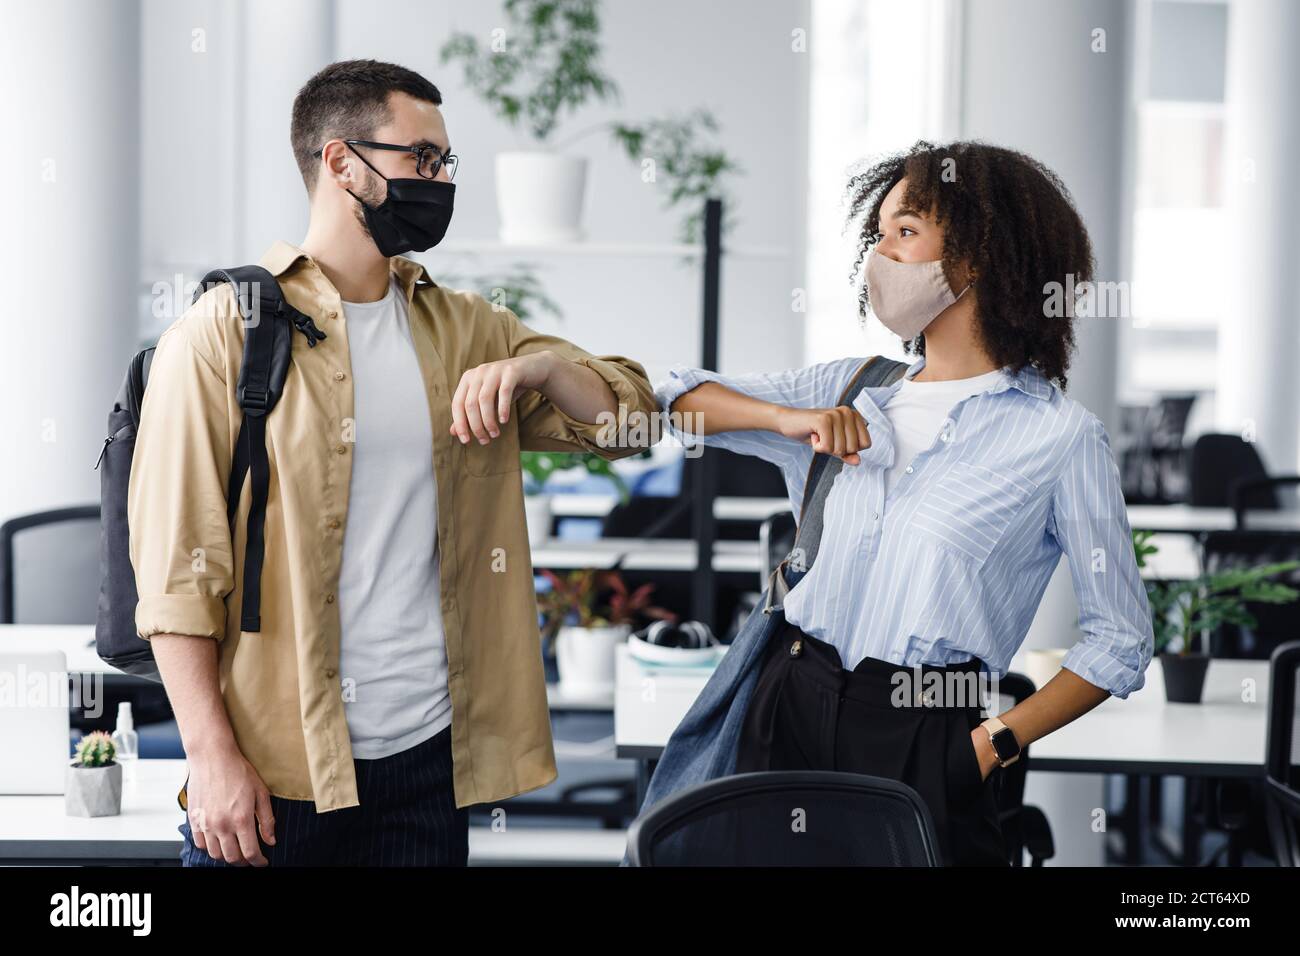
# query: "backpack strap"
{"points": [[269, 322], [874, 372]]}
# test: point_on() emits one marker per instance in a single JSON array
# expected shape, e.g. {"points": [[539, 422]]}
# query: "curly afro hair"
{"points": [[1011, 220]]}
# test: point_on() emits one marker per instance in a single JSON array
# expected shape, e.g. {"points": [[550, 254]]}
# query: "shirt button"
{"points": [[909, 469], [334, 524], [330, 672], [342, 449], [331, 314], [875, 515], [339, 376], [329, 599]]}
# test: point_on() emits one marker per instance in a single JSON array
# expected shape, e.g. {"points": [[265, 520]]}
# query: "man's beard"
{"points": [[373, 196]]}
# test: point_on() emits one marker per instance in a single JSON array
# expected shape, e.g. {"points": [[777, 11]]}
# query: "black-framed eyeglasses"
{"points": [[428, 159]]}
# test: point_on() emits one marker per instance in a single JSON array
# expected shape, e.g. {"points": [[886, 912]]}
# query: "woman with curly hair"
{"points": [[963, 482]]}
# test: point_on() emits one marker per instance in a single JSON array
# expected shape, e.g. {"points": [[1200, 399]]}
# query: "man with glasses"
{"points": [[396, 678]]}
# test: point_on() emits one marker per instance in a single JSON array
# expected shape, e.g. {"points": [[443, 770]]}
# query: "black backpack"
{"points": [[269, 322]]}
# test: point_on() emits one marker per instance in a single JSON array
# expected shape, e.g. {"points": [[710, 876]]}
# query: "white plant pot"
{"points": [[537, 515], [539, 196], [93, 791], [585, 657]]}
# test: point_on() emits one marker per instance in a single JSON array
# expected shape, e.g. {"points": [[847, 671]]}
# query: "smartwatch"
{"points": [[1005, 745]]}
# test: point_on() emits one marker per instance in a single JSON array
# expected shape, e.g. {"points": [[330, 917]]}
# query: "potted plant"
{"points": [[543, 63], [538, 466], [94, 778], [586, 614], [1183, 612]]}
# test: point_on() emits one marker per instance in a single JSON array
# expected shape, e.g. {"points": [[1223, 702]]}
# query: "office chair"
{"points": [[1281, 786], [1024, 827], [749, 819], [1151, 449], [59, 553], [1217, 462]]}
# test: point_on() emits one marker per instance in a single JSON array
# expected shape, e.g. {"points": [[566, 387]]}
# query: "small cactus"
{"points": [[95, 749]]}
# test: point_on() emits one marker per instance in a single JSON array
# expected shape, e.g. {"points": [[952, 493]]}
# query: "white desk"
{"points": [[1177, 557], [1220, 737], [78, 643], [37, 828], [1184, 519], [1180, 519]]}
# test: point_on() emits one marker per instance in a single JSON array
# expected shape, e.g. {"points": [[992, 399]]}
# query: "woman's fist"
{"points": [[839, 431]]}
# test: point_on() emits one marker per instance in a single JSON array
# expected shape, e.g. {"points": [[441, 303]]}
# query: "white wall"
{"points": [[667, 58]]}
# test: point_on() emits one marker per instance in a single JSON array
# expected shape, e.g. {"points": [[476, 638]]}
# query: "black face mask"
{"points": [[413, 218]]}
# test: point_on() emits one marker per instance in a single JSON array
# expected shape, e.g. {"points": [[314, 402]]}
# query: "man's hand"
{"points": [[228, 803], [839, 431], [482, 400]]}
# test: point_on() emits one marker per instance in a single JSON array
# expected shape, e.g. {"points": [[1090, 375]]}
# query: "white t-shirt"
{"points": [[392, 661], [917, 411]]}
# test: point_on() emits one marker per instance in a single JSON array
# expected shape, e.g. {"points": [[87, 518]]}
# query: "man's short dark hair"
{"points": [[348, 100]]}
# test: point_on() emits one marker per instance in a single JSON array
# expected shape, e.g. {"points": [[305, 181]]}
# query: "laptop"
{"points": [[34, 722]]}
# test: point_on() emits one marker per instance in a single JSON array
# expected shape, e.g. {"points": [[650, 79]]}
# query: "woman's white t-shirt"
{"points": [[917, 412], [392, 660]]}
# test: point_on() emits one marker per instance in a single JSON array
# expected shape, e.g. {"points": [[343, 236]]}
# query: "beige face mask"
{"points": [[907, 296]]}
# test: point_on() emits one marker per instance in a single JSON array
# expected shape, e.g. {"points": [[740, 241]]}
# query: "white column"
{"points": [[1259, 336], [70, 253], [284, 44], [1034, 82]]}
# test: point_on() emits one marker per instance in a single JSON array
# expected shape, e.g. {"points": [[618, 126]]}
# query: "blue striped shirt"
{"points": [[953, 562]]}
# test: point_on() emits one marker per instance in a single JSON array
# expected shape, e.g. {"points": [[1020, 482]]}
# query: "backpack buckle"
{"points": [[253, 399]]}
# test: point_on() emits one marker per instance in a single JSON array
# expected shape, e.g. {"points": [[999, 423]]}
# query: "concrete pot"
{"points": [[93, 791]]}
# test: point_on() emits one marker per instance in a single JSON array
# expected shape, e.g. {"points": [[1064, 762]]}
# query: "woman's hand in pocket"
{"points": [[839, 431]]}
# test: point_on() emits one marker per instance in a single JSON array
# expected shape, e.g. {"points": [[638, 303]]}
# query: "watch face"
{"points": [[1004, 743]]}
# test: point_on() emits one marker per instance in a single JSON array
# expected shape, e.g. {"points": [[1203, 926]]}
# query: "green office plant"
{"points": [[544, 63], [94, 778], [1183, 612], [516, 288], [695, 171], [540, 465]]}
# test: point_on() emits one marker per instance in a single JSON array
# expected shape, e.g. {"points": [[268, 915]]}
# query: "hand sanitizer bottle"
{"points": [[126, 740]]}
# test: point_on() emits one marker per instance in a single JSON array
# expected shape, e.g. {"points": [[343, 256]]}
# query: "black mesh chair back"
{"points": [[788, 818], [1281, 779], [49, 567]]}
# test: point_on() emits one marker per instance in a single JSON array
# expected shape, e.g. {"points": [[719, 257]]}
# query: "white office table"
{"points": [[77, 642], [1176, 558], [1185, 519], [1179, 519], [1220, 737], [37, 828]]}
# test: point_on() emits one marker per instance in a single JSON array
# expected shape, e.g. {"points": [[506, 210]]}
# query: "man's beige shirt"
{"points": [[281, 686]]}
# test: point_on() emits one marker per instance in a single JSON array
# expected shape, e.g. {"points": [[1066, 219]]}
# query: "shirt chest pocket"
{"points": [[970, 508], [498, 457]]}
